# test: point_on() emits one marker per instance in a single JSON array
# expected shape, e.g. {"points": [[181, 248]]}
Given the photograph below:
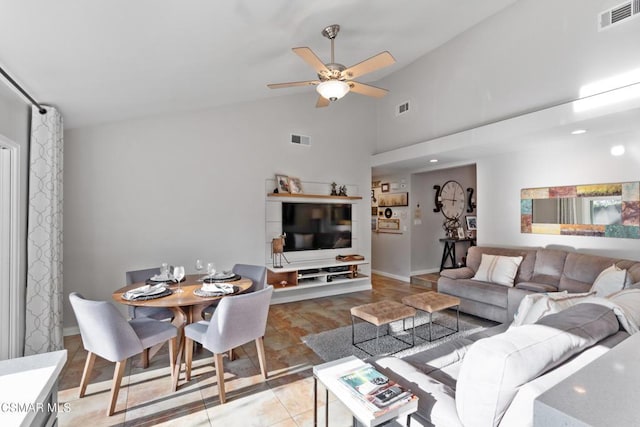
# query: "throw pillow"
{"points": [[609, 281], [498, 269], [534, 307]]}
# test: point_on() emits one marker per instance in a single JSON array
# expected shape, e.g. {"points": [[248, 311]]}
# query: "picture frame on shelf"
{"points": [[393, 199], [384, 187], [282, 183], [461, 233], [471, 222], [295, 185]]}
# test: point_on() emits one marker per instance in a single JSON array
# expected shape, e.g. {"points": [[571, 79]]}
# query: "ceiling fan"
{"points": [[335, 80]]}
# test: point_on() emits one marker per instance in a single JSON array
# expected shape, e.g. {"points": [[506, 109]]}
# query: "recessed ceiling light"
{"points": [[433, 161], [617, 150], [579, 132]]}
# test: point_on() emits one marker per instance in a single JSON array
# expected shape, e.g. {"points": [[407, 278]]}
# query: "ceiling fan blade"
{"points": [[311, 58], [381, 60], [367, 90], [322, 102], [292, 84]]}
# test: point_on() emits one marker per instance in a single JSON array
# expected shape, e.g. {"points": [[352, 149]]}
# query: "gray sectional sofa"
{"points": [[541, 270], [491, 378]]}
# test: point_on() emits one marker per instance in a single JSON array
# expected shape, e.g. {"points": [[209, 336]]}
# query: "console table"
{"points": [[449, 250]]}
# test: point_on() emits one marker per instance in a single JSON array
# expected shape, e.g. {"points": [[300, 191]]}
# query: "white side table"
{"points": [[328, 374]]}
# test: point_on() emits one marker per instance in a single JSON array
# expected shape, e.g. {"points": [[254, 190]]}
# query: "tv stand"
{"points": [[315, 279]]}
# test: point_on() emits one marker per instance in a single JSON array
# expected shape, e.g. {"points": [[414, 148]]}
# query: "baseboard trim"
{"points": [[73, 330], [392, 276], [427, 271]]}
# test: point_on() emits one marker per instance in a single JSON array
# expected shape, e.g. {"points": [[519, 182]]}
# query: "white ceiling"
{"points": [[109, 60]]}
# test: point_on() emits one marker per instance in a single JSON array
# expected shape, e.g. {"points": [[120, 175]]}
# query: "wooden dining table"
{"points": [[186, 306]]}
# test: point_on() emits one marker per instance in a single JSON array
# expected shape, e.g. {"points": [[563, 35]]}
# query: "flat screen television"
{"points": [[313, 226]]}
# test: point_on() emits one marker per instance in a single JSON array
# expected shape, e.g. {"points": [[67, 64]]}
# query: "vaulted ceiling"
{"points": [[105, 61]]}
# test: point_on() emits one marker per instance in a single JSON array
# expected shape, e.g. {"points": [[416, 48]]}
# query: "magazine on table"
{"points": [[378, 393]]}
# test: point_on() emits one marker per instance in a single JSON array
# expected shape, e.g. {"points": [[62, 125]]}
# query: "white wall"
{"points": [[533, 54], [391, 252], [189, 186], [579, 161], [426, 248]]}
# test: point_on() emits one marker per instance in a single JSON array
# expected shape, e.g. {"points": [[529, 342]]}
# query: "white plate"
{"points": [[223, 275], [159, 278], [154, 290]]}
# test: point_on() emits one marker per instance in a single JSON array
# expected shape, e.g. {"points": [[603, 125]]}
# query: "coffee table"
{"points": [[382, 313], [432, 302], [328, 374]]}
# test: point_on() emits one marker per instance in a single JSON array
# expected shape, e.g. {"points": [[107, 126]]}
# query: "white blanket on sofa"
{"points": [[625, 304]]}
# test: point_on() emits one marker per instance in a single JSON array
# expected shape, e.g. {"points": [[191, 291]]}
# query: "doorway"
{"points": [[9, 250]]}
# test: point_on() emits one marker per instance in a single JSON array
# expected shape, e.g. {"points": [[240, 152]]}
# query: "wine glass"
{"points": [[211, 269], [178, 275], [199, 265], [164, 270]]}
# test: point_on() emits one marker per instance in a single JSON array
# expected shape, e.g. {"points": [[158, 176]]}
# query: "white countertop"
{"points": [[604, 393], [25, 382]]}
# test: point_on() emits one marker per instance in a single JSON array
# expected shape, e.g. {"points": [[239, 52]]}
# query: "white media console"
{"points": [[313, 279]]}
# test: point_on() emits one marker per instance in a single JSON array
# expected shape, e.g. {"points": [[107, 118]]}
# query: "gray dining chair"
{"points": [[257, 274], [157, 313], [106, 333], [237, 320]]}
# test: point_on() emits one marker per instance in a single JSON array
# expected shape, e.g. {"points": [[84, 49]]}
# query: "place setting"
{"points": [[216, 283], [147, 292], [157, 286]]}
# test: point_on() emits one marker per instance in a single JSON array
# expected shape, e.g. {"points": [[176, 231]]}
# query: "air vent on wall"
{"points": [[300, 139], [404, 108], [618, 14]]}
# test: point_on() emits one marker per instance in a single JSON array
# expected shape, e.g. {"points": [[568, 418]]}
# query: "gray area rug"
{"points": [[336, 343]]}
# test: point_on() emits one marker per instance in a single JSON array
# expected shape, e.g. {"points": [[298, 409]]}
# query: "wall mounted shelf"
{"points": [[314, 196]]}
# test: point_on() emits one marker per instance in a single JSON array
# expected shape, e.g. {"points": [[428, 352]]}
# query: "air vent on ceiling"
{"points": [[300, 139], [618, 14], [404, 108]]}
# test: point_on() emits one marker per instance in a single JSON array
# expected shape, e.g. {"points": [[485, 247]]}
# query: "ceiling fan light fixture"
{"points": [[333, 89]]}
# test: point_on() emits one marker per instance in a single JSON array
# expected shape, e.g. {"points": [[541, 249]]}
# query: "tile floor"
{"points": [[285, 399]]}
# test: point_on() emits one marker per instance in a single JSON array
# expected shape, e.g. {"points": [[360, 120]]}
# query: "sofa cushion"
{"points": [[494, 368], [580, 271], [536, 287], [498, 269], [458, 273], [474, 258], [487, 293], [535, 306], [548, 267], [609, 281], [520, 412]]}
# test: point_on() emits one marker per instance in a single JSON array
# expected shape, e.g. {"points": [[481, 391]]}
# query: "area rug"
{"points": [[336, 343]]}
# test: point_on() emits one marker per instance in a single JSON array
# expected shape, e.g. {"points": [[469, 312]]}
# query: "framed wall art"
{"points": [[393, 199], [388, 225]]}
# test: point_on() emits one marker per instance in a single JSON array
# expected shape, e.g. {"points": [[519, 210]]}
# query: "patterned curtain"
{"points": [[43, 328]]}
